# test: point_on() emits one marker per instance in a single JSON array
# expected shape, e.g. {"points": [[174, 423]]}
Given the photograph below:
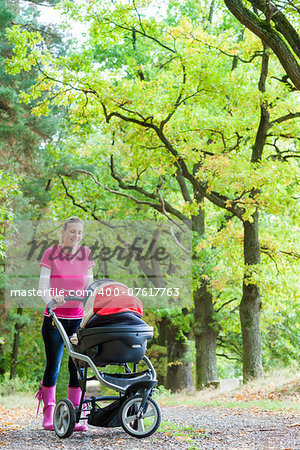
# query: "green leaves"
{"points": [[24, 47], [9, 189]]}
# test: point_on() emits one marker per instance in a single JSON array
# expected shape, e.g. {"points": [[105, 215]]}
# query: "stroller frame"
{"points": [[134, 388]]}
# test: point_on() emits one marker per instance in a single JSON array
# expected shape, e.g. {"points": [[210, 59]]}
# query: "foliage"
{"points": [[220, 129], [17, 385], [8, 191]]}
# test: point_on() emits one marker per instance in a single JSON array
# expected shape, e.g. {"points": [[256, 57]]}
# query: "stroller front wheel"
{"points": [[64, 418], [140, 425]]}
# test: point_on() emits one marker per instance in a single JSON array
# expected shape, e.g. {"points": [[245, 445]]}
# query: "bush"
{"points": [[9, 387]]}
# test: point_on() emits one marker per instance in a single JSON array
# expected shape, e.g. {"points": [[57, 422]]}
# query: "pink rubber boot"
{"points": [[47, 394], [74, 394]]}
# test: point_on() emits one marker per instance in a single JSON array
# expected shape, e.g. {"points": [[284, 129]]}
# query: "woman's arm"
{"points": [[90, 277], [44, 286], [88, 307]]}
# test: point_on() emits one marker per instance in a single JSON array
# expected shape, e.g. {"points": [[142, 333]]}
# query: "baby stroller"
{"points": [[118, 344]]}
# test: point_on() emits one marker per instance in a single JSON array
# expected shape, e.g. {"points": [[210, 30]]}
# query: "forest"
{"points": [[177, 114]]}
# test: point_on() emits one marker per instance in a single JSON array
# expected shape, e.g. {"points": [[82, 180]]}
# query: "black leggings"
{"points": [[54, 347]]}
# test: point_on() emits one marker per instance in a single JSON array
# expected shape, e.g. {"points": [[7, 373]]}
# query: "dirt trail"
{"points": [[187, 427], [240, 429]]}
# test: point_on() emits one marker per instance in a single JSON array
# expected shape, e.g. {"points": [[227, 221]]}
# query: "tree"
{"points": [[276, 32], [23, 145], [8, 190]]}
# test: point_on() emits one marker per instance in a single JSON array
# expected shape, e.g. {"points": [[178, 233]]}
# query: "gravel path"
{"points": [[240, 429], [189, 428]]}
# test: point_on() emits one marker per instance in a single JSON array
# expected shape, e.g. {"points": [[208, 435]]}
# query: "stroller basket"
{"points": [[114, 344], [127, 379]]}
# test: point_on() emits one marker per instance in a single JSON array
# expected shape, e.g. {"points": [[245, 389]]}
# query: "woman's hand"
{"points": [[59, 299]]}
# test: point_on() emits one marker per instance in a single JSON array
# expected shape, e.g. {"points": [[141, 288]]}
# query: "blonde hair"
{"points": [[73, 219]]}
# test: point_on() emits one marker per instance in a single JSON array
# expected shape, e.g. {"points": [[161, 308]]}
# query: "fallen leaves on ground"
{"points": [[13, 419], [290, 390]]}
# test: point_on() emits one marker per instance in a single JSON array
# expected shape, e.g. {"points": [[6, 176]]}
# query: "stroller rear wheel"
{"points": [[140, 425], [64, 418]]}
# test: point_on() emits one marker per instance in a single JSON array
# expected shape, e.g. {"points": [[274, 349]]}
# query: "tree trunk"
{"points": [[162, 341], [206, 333], [205, 328], [3, 332], [179, 370], [15, 351], [251, 304]]}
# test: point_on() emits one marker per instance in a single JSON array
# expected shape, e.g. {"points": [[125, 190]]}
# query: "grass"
{"points": [[17, 393], [275, 392], [263, 405], [19, 400], [187, 434]]}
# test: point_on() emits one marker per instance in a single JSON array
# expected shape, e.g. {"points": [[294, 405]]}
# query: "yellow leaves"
{"points": [[161, 171], [185, 27], [219, 284], [113, 211], [252, 275], [217, 164], [255, 393], [190, 209], [248, 214], [251, 43], [13, 419], [41, 110], [266, 185], [175, 363], [201, 35], [201, 246]]}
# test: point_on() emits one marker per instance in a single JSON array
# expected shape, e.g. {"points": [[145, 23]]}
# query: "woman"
{"points": [[65, 267]]}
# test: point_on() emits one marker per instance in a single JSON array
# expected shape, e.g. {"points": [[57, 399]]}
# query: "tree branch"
{"points": [[224, 304], [86, 91], [271, 257], [178, 100], [84, 208], [282, 24], [269, 36], [163, 209], [228, 357], [216, 198], [142, 33], [153, 205], [246, 61], [282, 119], [165, 205], [263, 127], [292, 254], [183, 187]]}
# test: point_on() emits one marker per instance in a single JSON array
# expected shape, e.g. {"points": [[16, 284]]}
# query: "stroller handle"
{"points": [[70, 298]]}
